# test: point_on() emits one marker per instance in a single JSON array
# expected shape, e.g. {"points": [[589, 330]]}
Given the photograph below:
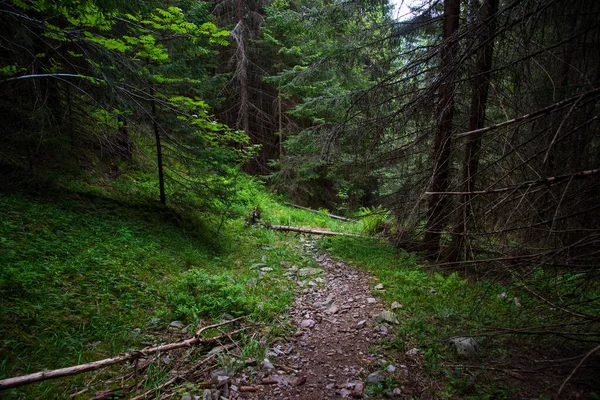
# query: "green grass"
{"points": [[80, 272]]}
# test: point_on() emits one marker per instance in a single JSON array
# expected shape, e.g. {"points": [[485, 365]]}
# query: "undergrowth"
{"points": [[85, 276], [435, 307]]}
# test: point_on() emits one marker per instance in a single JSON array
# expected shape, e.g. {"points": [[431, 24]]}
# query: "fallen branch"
{"points": [[317, 212], [78, 369], [311, 231]]}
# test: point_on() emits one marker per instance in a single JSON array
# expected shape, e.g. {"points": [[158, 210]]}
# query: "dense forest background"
{"points": [[470, 126]]}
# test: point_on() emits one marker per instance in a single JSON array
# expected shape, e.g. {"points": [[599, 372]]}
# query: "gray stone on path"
{"points": [[333, 309], [391, 368], [371, 300], [387, 316], [357, 390], [361, 324], [266, 364], [324, 304], [308, 323], [374, 377], [309, 271], [379, 287], [465, 346]]}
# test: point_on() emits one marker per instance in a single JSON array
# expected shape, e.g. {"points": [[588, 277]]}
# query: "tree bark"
{"points": [[159, 159], [311, 231], [479, 97], [437, 212]]}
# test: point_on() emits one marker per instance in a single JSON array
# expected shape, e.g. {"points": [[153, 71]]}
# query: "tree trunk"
{"points": [[437, 213], [124, 140], [159, 160], [479, 97]]}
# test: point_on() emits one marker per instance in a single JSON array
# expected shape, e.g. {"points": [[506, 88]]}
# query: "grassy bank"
{"points": [[437, 305], [85, 277]]}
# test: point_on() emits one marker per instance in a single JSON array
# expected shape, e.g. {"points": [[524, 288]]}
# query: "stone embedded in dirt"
{"points": [[219, 372], [207, 395], [396, 305], [299, 333], [374, 377], [379, 287], [312, 284], [371, 300], [333, 309], [397, 392], [186, 396], [383, 330], [300, 380], [387, 316], [307, 323], [465, 346], [309, 271], [413, 352], [330, 386], [258, 265], [319, 280], [357, 390], [222, 380], [250, 362], [391, 368], [266, 364], [266, 269], [361, 324], [176, 325], [324, 304]]}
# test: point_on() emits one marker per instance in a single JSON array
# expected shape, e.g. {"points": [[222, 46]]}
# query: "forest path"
{"points": [[330, 356]]}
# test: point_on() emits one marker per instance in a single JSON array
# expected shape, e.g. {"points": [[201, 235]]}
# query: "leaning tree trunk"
{"points": [[437, 213], [479, 97]]}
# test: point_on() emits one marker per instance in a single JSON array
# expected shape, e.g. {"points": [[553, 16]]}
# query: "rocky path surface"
{"points": [[339, 322]]}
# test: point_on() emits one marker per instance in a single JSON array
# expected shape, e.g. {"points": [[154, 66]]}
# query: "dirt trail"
{"points": [[329, 357]]}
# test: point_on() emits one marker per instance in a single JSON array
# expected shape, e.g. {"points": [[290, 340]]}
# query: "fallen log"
{"points": [[92, 366], [311, 231], [317, 212]]}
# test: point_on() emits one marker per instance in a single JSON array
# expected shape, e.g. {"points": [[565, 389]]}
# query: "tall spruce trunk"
{"points": [[159, 159], [479, 97], [437, 212]]}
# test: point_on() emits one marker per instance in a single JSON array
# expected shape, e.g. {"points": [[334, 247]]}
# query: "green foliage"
{"points": [[374, 219], [197, 294]]}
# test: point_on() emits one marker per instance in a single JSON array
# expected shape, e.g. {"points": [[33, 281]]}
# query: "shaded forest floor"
{"points": [[85, 277]]}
